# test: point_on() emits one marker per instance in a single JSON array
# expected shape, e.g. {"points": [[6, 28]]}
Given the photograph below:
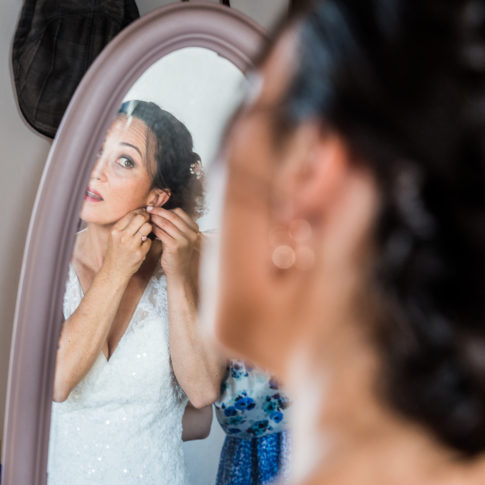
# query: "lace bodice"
{"points": [[122, 424]]}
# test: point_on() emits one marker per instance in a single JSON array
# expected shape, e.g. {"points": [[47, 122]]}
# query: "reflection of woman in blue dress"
{"points": [[252, 412]]}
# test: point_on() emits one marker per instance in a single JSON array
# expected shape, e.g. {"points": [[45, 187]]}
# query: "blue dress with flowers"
{"points": [[251, 410]]}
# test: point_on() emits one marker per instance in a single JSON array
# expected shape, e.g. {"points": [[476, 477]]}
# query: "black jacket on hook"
{"points": [[55, 43]]}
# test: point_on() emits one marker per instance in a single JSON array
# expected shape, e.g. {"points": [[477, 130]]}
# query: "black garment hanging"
{"points": [[223, 2], [55, 43]]}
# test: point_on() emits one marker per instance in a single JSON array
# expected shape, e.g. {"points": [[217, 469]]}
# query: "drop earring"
{"points": [[290, 246]]}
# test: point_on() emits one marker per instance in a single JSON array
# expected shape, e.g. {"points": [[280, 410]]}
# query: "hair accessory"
{"points": [[290, 246], [197, 170]]}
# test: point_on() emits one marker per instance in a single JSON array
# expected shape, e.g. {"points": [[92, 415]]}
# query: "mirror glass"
{"points": [[118, 403]]}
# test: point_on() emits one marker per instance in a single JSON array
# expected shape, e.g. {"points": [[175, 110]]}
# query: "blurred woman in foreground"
{"points": [[353, 244]]}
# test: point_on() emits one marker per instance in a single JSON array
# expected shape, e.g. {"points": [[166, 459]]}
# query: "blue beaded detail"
{"points": [[258, 461]]}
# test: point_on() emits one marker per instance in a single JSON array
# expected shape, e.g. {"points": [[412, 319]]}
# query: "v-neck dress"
{"points": [[122, 424]]}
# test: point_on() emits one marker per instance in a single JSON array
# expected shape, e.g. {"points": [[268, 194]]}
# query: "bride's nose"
{"points": [[99, 172]]}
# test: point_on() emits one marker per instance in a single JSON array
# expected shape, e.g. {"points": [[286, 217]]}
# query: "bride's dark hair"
{"points": [[403, 81], [178, 167]]}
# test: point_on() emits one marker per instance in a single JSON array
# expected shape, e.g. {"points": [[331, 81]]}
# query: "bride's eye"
{"points": [[126, 162]]}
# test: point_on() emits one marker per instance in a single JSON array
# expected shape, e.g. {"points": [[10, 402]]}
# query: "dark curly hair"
{"points": [[178, 167], [403, 81]]}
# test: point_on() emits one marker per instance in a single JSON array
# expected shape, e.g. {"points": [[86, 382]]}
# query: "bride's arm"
{"points": [[196, 423], [85, 332], [198, 365]]}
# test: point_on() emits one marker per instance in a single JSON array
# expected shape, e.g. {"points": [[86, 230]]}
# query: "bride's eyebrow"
{"points": [[124, 143]]}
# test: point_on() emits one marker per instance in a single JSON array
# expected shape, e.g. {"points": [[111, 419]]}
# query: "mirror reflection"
{"points": [[130, 355]]}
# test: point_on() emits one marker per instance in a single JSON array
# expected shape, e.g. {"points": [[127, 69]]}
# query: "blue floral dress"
{"points": [[252, 411]]}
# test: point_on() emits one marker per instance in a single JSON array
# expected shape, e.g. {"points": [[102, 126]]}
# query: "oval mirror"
{"points": [[189, 59]]}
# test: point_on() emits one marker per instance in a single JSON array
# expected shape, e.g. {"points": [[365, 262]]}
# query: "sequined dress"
{"points": [[122, 424]]}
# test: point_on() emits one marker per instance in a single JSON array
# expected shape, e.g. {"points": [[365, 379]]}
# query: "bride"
{"points": [[129, 356]]}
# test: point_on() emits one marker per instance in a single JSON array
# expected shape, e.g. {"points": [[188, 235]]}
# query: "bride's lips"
{"points": [[92, 195]]}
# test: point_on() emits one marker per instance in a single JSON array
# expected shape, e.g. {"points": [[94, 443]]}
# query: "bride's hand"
{"points": [[181, 240], [128, 244]]}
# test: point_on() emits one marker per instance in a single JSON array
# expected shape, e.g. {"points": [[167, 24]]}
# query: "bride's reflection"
{"points": [[129, 354]]}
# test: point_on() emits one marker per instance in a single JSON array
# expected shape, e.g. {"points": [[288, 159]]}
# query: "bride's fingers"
{"points": [[170, 228], [162, 235], [188, 220], [136, 222], [125, 221], [144, 231], [174, 218]]}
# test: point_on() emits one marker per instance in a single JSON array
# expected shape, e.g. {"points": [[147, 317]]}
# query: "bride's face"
{"points": [[120, 181]]}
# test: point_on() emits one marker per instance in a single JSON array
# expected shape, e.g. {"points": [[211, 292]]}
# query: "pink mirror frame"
{"points": [[53, 225]]}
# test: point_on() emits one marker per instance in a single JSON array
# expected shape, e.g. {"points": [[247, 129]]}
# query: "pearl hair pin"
{"points": [[197, 170]]}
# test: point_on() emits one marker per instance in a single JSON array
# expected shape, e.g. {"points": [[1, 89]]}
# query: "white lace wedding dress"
{"points": [[122, 424]]}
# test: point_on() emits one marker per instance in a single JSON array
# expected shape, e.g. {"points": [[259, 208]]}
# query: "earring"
{"points": [[291, 246]]}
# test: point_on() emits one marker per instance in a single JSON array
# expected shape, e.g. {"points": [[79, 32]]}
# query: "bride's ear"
{"points": [[312, 174], [158, 197]]}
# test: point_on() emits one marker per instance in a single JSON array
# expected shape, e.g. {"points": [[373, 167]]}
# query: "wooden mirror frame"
{"points": [[58, 203]]}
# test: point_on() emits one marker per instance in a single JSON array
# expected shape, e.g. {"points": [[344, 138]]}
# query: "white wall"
{"points": [[22, 160]]}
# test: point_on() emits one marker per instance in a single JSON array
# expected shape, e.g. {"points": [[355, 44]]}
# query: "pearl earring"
{"points": [[290, 246]]}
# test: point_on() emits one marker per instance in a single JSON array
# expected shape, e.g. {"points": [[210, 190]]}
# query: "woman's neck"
{"points": [[346, 434], [91, 246]]}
